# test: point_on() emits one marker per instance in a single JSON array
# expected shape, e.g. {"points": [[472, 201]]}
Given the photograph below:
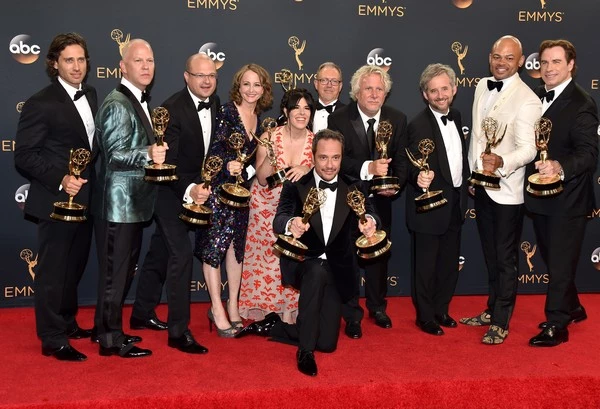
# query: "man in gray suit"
{"points": [[124, 202]]}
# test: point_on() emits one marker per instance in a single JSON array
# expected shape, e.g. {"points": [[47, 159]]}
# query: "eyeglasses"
{"points": [[212, 76], [325, 81]]}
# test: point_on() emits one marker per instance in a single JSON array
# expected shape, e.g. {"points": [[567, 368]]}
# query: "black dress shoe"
{"points": [[64, 353], [445, 321], [353, 329], [261, 328], [551, 336], [306, 362], [150, 323], [430, 327], [381, 319], [577, 315], [79, 333], [186, 343], [125, 351]]}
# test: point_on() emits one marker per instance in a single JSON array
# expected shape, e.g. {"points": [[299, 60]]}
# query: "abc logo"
{"points": [[461, 262], [19, 106], [532, 65], [596, 258], [21, 196], [211, 49], [465, 131], [377, 57], [22, 50]]}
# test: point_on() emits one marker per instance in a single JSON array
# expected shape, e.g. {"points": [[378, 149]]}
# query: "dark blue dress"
{"points": [[228, 223]]}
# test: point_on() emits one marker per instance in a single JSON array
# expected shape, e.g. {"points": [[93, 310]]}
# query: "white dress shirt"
{"points": [[364, 170], [321, 116], [83, 107], [453, 147]]}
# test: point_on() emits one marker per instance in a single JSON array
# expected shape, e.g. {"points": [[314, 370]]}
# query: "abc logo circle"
{"points": [[461, 262], [21, 195], [378, 57], [596, 258], [532, 65], [462, 4], [212, 50], [23, 50]]}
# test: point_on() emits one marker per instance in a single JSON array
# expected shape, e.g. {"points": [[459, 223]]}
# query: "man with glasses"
{"points": [[328, 83], [189, 134]]}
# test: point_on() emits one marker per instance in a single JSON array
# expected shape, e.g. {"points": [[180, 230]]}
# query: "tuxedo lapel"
{"points": [[560, 102], [359, 128], [139, 110], [440, 146], [341, 210], [72, 113], [193, 121]]}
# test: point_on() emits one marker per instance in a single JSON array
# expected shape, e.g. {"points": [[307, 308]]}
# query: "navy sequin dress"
{"points": [[228, 223]]}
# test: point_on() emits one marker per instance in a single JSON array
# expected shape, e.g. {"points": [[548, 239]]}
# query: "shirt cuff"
{"points": [[287, 227], [364, 171], [186, 196], [250, 171]]}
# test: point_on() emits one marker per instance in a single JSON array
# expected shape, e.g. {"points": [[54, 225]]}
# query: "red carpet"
{"points": [[397, 368]]}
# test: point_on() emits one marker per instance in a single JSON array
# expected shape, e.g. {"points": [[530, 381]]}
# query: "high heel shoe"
{"points": [[235, 324], [223, 333]]}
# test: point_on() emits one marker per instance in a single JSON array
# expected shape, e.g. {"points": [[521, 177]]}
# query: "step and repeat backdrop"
{"points": [[403, 36]]}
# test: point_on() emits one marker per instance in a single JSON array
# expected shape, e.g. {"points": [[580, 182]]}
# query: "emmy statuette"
{"points": [[164, 172], [278, 176], [199, 214], [367, 247], [543, 185], [489, 180], [70, 211], [428, 200], [232, 194], [382, 140], [290, 246]]}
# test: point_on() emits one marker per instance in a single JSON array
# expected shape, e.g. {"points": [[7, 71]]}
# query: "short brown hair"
{"points": [[327, 134], [566, 45], [266, 100], [59, 43]]}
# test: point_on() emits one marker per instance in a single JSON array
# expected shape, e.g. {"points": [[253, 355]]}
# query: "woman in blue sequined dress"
{"points": [[250, 94]]}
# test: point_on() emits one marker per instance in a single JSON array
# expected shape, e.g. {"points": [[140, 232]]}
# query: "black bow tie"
{"points": [[446, 118], [495, 84], [204, 105], [84, 91], [145, 97], [549, 95], [325, 185], [328, 108]]}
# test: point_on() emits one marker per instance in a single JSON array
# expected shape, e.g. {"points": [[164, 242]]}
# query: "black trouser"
{"points": [[499, 229]]}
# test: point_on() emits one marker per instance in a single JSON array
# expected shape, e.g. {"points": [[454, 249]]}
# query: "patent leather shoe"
{"points": [[550, 336], [64, 353], [186, 343], [446, 321], [577, 315], [306, 362], [129, 339], [125, 351], [381, 319], [353, 329], [79, 333], [152, 323], [261, 328], [430, 327]]}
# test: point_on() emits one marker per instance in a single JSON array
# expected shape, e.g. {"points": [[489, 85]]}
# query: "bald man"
{"points": [[189, 134], [507, 99], [123, 202]]}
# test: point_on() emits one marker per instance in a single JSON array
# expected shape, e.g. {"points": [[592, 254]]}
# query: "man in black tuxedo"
{"points": [[559, 221], [123, 200], [325, 278], [358, 122], [189, 133], [435, 233], [328, 83], [54, 121]]}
